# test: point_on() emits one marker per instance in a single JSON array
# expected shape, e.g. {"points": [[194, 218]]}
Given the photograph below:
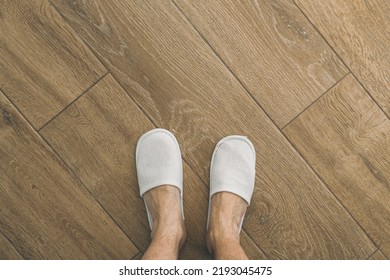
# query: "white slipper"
{"points": [[158, 160], [232, 169]]}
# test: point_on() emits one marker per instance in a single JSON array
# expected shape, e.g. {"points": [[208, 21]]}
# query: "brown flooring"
{"points": [[306, 81]]}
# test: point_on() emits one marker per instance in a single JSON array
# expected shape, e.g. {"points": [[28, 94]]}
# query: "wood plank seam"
{"points": [[257, 245], [91, 86], [319, 97], [138, 256], [378, 255], [329, 189], [339, 57], [370, 256], [69, 170]]}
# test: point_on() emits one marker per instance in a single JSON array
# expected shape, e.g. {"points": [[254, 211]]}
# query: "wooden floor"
{"points": [[307, 81]]}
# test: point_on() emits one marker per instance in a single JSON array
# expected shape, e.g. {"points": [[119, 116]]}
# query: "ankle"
{"points": [[219, 239], [165, 245], [172, 233]]}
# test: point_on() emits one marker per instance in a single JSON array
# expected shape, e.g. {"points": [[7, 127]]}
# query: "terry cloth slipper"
{"points": [[159, 162], [233, 169]]}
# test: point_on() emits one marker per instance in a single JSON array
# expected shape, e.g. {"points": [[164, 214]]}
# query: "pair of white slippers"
{"points": [[159, 162]]}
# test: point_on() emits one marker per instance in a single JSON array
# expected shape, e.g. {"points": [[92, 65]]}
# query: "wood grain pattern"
{"points": [[359, 32], [378, 255], [97, 136], [181, 84], [44, 211], [345, 137], [43, 66], [7, 251], [272, 48]]}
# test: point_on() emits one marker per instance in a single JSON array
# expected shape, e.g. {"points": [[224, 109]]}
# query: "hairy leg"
{"points": [[223, 236], [168, 231]]}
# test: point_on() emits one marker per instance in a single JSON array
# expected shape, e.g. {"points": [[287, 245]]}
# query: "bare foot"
{"points": [[223, 236], [168, 230]]}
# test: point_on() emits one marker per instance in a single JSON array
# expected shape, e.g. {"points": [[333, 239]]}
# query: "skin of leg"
{"points": [[168, 230], [223, 236]]}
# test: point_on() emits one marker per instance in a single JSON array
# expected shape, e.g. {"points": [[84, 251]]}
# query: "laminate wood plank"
{"points": [[43, 66], [345, 137], [97, 136], [46, 213], [378, 256], [272, 48], [7, 251], [359, 33], [179, 82]]}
